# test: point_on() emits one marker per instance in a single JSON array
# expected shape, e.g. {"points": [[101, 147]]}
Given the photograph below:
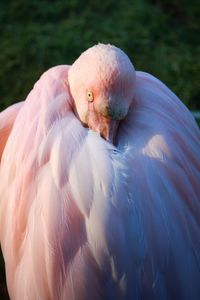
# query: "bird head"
{"points": [[101, 82]]}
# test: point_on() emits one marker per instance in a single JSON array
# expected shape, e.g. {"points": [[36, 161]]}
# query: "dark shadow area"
{"points": [[3, 288]]}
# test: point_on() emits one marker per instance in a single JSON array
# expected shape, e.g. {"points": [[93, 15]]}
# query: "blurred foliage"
{"points": [[160, 37]]}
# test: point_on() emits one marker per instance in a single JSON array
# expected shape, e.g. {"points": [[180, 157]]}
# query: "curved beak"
{"points": [[105, 126], [109, 130]]}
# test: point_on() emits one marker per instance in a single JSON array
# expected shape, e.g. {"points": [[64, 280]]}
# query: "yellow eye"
{"points": [[90, 96]]}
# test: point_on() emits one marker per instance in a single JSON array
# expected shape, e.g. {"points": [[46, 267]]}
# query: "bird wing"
{"points": [[7, 119], [83, 219], [160, 143], [56, 186]]}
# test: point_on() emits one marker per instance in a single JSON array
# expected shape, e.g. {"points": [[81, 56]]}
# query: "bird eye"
{"points": [[90, 96]]}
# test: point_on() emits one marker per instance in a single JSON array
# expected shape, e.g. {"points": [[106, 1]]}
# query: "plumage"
{"points": [[82, 217]]}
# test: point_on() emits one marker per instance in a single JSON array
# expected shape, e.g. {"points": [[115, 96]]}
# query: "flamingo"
{"points": [[100, 186]]}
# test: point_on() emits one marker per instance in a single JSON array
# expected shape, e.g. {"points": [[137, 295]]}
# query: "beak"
{"points": [[109, 130], [106, 126]]}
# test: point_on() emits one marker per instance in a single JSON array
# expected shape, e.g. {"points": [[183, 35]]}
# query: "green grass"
{"points": [[160, 38]]}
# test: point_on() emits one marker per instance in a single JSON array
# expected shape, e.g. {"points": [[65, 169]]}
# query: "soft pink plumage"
{"points": [[81, 218]]}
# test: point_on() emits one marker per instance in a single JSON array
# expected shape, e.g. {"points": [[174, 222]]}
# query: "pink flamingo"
{"points": [[100, 186]]}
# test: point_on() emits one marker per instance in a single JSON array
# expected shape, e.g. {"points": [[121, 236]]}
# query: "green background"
{"points": [[161, 37]]}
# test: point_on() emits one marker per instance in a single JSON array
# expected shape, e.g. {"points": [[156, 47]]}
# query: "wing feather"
{"points": [[79, 214], [7, 119], [161, 143]]}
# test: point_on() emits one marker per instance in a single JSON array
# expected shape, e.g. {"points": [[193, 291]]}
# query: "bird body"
{"points": [[86, 217]]}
